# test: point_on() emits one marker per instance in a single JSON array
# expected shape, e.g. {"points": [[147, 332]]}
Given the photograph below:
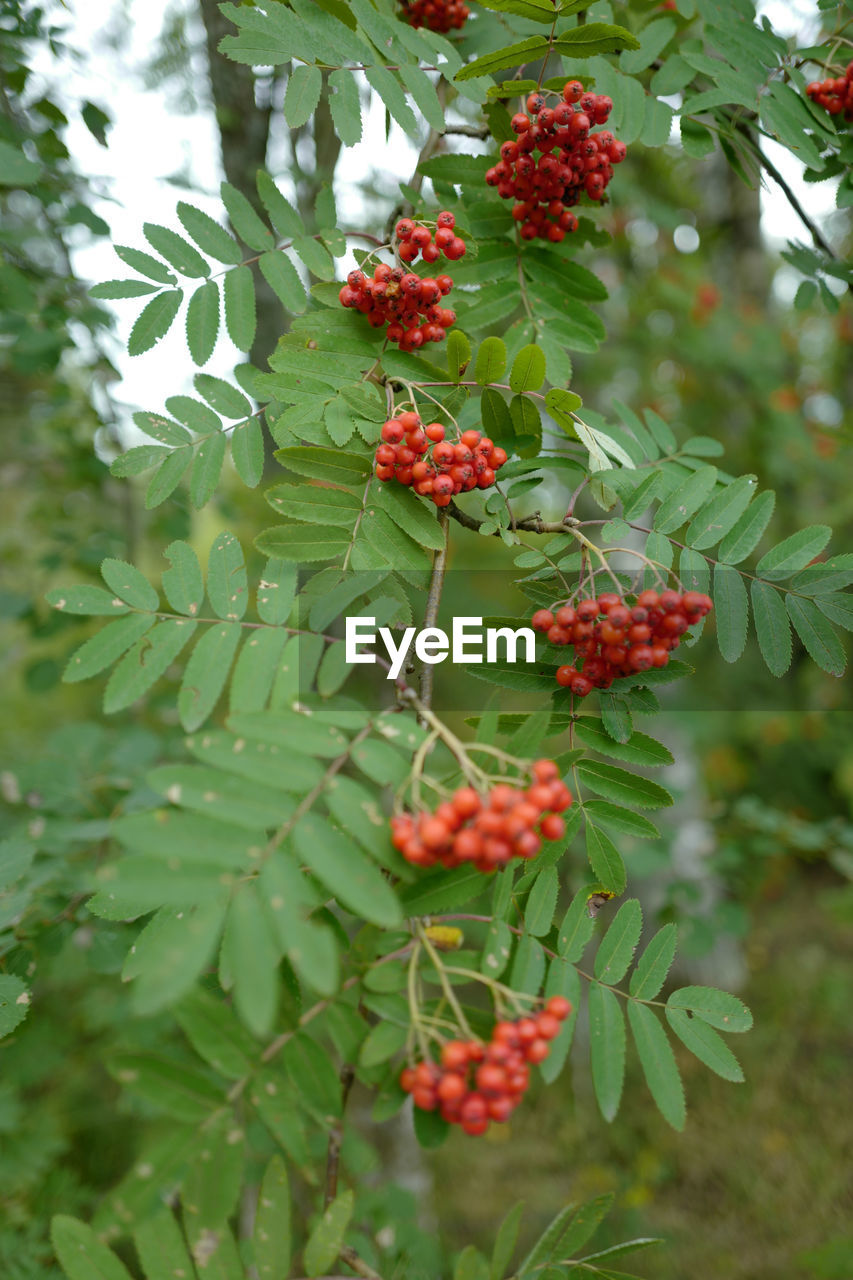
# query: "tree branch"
{"points": [[530, 524], [336, 1137], [436, 582]]}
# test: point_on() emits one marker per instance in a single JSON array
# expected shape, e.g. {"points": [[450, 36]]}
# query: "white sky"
{"points": [[148, 142]]}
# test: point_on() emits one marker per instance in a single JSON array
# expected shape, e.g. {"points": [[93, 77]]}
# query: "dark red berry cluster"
{"points": [[835, 96], [437, 15], [614, 639], [414, 238], [488, 831], [476, 1083], [571, 161], [406, 303], [418, 455]]}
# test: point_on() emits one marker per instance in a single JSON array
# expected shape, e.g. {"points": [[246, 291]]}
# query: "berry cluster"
{"points": [[418, 455], [835, 96], [477, 1083], [437, 15], [616, 639], [486, 831], [406, 303], [414, 238], [571, 161]]}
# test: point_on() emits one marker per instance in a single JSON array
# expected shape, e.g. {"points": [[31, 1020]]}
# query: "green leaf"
{"points": [[731, 611], [207, 468], [176, 250], [221, 396], [315, 504], [639, 749], [717, 1008], [424, 95], [382, 1042], [302, 543], [704, 1042], [80, 1252], [491, 361], [283, 216], [161, 1247], [206, 674], [345, 107], [658, 1063], [654, 964], [537, 10], [675, 510], [720, 514], [14, 1003], [528, 369], [203, 321], [227, 587], [539, 911], [304, 86], [745, 535], [621, 820], [594, 38], [149, 659], [240, 307], [162, 429], [247, 452], [393, 98], [605, 859], [817, 634], [325, 464], [794, 552], [105, 648], [577, 928], [837, 607], [126, 581], [511, 56], [544, 1248], [251, 954], [271, 1237], [283, 278], [339, 864], [214, 1032], [255, 670], [310, 948], [245, 221], [89, 600], [154, 321], [276, 592], [183, 583], [195, 415], [460, 168], [619, 943], [607, 1048], [115, 289], [167, 477], [139, 459], [170, 954], [771, 626], [409, 514], [144, 264], [623, 787], [325, 1241], [458, 353], [210, 237], [584, 1224], [561, 405], [505, 1242]]}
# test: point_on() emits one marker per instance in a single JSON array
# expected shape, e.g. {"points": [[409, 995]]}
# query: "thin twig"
{"points": [[439, 566], [336, 1137]]}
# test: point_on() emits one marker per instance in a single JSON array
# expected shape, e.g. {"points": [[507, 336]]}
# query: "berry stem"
{"points": [[449, 993]]}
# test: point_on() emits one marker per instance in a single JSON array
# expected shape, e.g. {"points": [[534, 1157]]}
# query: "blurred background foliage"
{"points": [[757, 872]]}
